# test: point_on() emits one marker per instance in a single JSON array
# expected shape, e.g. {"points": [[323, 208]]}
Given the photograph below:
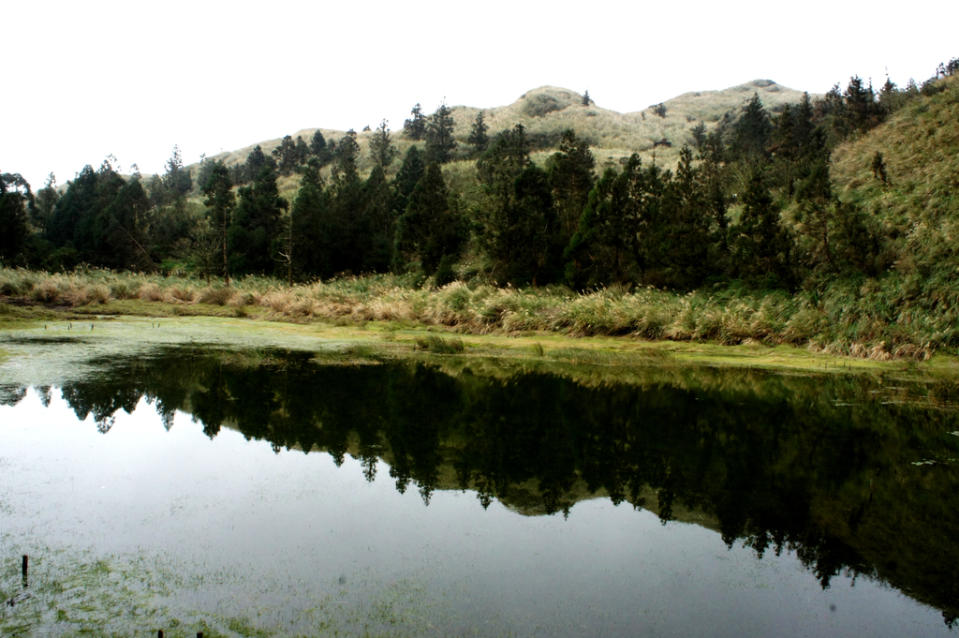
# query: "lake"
{"points": [[269, 491]]}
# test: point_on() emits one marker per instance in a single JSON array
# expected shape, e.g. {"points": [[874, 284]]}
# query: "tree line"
{"points": [[716, 217]]}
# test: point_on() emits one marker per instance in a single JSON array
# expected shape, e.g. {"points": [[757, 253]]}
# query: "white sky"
{"points": [[84, 79]]}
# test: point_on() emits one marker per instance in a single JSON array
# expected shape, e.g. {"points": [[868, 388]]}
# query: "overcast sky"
{"points": [[87, 79]]}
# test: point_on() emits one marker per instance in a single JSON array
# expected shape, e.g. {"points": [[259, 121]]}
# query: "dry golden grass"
{"points": [[844, 319]]}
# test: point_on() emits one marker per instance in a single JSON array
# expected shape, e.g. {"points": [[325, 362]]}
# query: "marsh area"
{"points": [[195, 476]]}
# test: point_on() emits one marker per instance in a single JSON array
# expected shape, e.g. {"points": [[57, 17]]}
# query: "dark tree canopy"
{"points": [[479, 138], [381, 146], [415, 127], [440, 143]]}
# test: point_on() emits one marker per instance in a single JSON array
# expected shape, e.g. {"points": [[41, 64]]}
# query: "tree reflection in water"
{"points": [[816, 464]]}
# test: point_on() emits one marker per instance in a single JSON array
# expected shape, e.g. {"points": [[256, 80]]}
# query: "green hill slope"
{"points": [[919, 206], [547, 111]]}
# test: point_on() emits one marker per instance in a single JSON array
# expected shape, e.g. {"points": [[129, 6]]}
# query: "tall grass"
{"points": [[876, 318]]}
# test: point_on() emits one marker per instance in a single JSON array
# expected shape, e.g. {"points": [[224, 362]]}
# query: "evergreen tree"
{"points": [[302, 151], [220, 201], [415, 127], [256, 234], [311, 207], [687, 227], [478, 134], [430, 228], [346, 157], [344, 223], [762, 248], [255, 162], [439, 136], [177, 180], [498, 169], [122, 244], [410, 173], [318, 148], [603, 249], [518, 219], [46, 201], [571, 178], [285, 155], [69, 217], [381, 146], [751, 132], [862, 111], [377, 225], [15, 198]]}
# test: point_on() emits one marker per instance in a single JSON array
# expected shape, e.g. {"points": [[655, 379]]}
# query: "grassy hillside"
{"points": [[547, 111], [919, 206]]}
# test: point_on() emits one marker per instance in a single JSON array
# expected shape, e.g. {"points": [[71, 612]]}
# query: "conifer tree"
{"points": [[751, 132], [46, 201], [415, 127], [381, 146], [311, 245], [285, 156], [762, 248], [220, 200], [439, 136], [377, 223], [571, 178], [15, 197], [430, 228], [256, 234], [478, 134], [406, 179]]}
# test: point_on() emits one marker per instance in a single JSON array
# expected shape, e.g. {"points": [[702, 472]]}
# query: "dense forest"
{"points": [[751, 201]]}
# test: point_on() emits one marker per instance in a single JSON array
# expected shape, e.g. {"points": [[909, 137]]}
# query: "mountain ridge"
{"points": [[547, 110]]}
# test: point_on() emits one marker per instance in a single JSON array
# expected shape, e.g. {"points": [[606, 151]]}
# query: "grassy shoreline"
{"points": [[820, 324]]}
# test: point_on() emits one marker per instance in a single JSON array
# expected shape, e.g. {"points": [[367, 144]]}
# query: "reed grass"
{"points": [[879, 319]]}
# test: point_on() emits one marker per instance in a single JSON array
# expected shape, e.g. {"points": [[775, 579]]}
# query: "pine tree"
{"points": [[346, 157], [415, 127], [311, 245], [751, 132], [46, 201], [302, 151], [377, 223], [318, 148], [571, 179], [762, 248], [412, 170], [220, 201], [381, 146], [285, 156], [256, 234], [439, 136], [478, 134], [177, 180], [430, 229], [15, 196]]}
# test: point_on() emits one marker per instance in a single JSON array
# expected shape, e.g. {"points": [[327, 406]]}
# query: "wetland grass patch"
{"points": [[847, 318]]}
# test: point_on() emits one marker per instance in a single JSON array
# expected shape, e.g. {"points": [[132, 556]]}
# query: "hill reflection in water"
{"points": [[853, 476]]}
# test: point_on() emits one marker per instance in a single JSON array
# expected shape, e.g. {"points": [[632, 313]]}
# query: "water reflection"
{"points": [[854, 476]]}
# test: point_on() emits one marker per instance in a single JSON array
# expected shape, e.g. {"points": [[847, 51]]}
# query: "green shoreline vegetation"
{"points": [[824, 223], [645, 318]]}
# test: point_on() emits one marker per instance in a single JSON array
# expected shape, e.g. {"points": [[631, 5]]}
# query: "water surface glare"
{"points": [[152, 518]]}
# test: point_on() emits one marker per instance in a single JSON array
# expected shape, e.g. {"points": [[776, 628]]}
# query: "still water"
{"points": [[269, 492]]}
